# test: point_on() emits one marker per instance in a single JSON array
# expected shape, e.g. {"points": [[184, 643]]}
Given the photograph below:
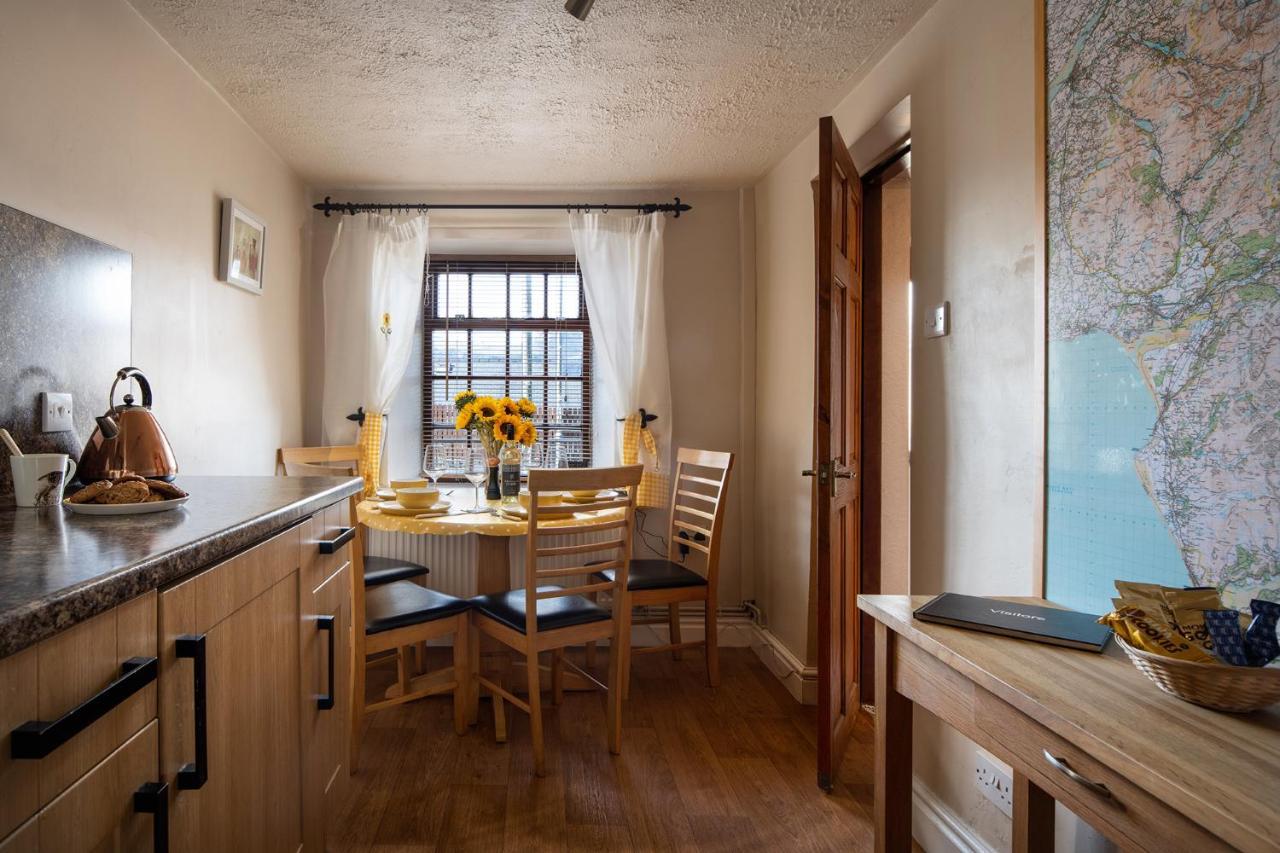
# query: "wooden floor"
{"points": [[701, 769]]}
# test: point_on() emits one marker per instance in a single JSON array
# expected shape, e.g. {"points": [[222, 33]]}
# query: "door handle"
{"points": [[194, 775], [331, 546], [846, 475], [153, 799], [1061, 764], [327, 623], [808, 472], [37, 738]]}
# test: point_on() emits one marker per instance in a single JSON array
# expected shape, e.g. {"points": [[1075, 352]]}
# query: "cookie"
{"points": [[90, 492], [128, 492], [168, 490], [131, 478], [154, 497]]}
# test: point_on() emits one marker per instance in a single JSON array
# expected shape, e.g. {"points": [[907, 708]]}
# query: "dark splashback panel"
{"points": [[64, 326]]}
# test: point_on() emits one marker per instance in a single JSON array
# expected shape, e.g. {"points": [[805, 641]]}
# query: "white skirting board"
{"points": [[801, 681], [937, 828]]}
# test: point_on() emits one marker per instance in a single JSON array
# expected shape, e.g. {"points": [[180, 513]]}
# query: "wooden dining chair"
{"points": [[545, 617], [336, 461], [399, 617], [701, 484]]}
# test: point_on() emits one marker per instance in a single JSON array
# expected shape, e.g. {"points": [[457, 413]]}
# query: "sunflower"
{"points": [[527, 434], [486, 408], [464, 398], [526, 407], [501, 422], [509, 406], [465, 416]]}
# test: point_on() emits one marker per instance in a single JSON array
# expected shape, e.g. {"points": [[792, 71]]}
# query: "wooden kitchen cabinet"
{"points": [[83, 682], [324, 638], [229, 710], [100, 813]]}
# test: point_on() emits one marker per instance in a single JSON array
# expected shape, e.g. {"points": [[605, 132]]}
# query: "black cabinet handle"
{"points": [[327, 623], [153, 799], [37, 738], [194, 775], [331, 546]]}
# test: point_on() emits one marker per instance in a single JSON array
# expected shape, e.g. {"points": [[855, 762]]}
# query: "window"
{"points": [[508, 327]]}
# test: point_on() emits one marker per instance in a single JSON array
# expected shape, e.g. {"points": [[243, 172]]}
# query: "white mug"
{"points": [[38, 478]]}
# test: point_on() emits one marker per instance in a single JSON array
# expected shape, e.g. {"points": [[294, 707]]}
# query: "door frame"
{"points": [[891, 164]]}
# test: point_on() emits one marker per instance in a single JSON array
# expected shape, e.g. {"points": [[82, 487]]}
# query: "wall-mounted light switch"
{"points": [[937, 320], [55, 412]]}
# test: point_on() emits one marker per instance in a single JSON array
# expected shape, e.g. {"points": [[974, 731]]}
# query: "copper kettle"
{"points": [[128, 439]]}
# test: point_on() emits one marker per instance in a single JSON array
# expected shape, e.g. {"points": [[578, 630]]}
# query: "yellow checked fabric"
{"points": [[655, 486], [371, 451]]}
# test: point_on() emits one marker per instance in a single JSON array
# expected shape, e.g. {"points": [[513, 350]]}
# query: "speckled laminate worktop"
{"points": [[57, 569]]}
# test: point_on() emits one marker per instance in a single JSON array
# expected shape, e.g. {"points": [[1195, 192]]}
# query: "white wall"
{"points": [[108, 132], [967, 66], [704, 301]]}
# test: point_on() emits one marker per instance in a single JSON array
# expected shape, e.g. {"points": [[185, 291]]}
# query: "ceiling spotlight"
{"points": [[579, 8]]}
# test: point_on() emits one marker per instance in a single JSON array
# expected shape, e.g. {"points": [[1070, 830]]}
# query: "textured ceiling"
{"points": [[517, 93]]}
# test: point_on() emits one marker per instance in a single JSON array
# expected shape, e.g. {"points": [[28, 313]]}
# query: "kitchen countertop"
{"points": [[58, 569]]}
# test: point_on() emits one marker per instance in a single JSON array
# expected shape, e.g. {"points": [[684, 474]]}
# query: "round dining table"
{"points": [[492, 530]]}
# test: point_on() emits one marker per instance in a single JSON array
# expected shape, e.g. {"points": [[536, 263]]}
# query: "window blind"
{"points": [[514, 327]]}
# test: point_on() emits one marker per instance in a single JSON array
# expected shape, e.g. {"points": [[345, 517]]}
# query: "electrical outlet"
{"points": [[937, 320], [55, 412], [995, 783]]}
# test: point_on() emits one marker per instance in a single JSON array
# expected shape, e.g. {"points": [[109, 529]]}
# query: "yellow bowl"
{"points": [[397, 485], [584, 493], [545, 499], [418, 498]]}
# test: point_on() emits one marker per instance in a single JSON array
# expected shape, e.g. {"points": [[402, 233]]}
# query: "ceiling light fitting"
{"points": [[579, 8]]}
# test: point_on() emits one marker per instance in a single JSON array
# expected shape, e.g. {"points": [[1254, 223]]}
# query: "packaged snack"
{"points": [[1228, 640], [1187, 607], [1260, 639], [1153, 633]]}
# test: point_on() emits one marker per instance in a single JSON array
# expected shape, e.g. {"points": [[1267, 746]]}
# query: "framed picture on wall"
{"points": [[243, 255]]}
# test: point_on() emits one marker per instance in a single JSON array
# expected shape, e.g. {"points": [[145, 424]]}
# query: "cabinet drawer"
{"points": [[98, 812], [1127, 814], [52, 682], [324, 547]]}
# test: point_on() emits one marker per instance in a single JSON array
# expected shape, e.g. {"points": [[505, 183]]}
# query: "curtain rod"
{"points": [[677, 207]]}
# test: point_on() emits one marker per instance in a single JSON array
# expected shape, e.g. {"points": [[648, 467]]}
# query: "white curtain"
{"points": [[621, 262], [372, 299]]}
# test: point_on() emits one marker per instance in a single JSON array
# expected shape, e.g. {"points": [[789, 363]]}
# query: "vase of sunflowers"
{"points": [[497, 421]]}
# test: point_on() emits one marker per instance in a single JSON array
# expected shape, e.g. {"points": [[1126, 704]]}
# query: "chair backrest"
{"points": [[318, 461], [698, 500], [618, 546]]}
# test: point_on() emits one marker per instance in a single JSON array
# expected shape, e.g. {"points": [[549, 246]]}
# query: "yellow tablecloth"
{"points": [[484, 524]]}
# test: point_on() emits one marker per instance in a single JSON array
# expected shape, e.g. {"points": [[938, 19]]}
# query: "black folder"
{"points": [[1068, 628]]}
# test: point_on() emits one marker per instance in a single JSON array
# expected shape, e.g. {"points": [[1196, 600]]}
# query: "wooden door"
{"points": [[237, 626], [836, 433], [324, 639]]}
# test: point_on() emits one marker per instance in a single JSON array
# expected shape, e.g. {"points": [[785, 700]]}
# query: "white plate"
{"points": [[386, 494], [126, 509]]}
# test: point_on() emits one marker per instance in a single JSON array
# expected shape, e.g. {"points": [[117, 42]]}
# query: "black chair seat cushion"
{"points": [[380, 570], [656, 574], [395, 605], [508, 608]]}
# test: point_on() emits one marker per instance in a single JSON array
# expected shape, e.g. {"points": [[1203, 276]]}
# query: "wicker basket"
{"points": [[1211, 685]]}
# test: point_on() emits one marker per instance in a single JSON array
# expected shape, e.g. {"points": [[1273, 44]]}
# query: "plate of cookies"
{"points": [[127, 495]]}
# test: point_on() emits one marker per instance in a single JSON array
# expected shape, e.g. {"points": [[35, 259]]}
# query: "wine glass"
{"points": [[434, 462], [476, 470]]}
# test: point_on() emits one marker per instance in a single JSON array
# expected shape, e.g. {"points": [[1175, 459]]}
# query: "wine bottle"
{"points": [[509, 468]]}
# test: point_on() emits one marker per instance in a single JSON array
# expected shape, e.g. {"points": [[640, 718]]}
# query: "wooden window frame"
{"points": [[507, 265]]}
